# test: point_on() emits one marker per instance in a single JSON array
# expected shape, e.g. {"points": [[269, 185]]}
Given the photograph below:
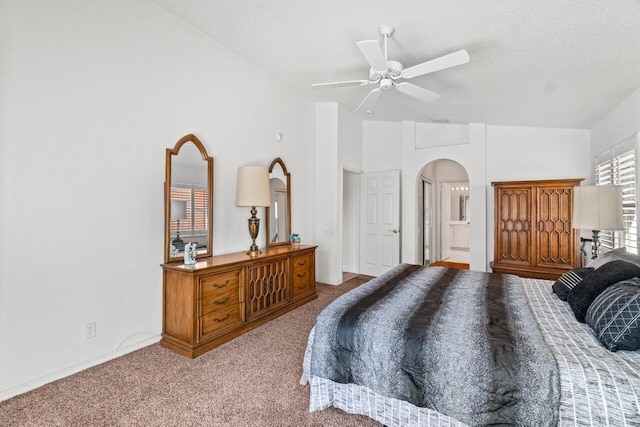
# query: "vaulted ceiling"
{"points": [[547, 63]]}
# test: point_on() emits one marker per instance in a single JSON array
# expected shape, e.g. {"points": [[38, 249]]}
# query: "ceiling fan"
{"points": [[386, 73]]}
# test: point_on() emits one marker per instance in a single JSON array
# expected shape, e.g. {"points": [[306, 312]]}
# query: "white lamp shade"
{"points": [[598, 207], [253, 186], [178, 209]]}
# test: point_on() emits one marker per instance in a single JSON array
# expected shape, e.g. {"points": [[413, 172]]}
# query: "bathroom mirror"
{"points": [[279, 214], [188, 199], [459, 197]]}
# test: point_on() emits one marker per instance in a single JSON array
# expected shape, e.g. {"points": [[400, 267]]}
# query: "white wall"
{"points": [[92, 94], [381, 146], [493, 153], [326, 201], [338, 147], [622, 122], [351, 222], [471, 157]]}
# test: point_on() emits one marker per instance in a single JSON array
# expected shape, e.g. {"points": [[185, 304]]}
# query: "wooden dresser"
{"points": [[222, 297], [532, 228]]}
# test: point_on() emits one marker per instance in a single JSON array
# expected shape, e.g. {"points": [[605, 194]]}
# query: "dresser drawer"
{"points": [[302, 287], [303, 275], [219, 319], [218, 284], [302, 263], [219, 291], [218, 301]]}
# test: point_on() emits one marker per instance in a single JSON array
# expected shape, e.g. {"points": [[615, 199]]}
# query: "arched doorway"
{"points": [[443, 208]]}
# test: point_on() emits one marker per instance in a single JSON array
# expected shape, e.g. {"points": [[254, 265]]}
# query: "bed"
{"points": [[500, 350]]}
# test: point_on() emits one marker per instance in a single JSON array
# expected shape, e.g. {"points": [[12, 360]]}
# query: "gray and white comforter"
{"points": [[598, 387], [457, 345]]}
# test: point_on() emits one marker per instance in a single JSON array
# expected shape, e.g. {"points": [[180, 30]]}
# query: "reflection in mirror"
{"points": [[279, 214], [460, 202], [189, 186]]}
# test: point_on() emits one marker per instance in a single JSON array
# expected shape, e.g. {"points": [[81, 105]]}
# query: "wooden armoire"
{"points": [[532, 228]]}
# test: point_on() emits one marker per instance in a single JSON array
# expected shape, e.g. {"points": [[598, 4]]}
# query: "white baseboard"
{"points": [[39, 382]]}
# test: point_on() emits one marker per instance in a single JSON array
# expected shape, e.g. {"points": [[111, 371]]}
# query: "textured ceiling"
{"points": [[548, 63]]}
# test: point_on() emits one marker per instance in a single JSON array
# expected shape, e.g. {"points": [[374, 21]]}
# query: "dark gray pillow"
{"points": [[581, 297], [614, 316], [569, 280]]}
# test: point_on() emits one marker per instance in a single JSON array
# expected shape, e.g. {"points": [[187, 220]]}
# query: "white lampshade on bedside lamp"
{"points": [[252, 191], [178, 212], [597, 208]]}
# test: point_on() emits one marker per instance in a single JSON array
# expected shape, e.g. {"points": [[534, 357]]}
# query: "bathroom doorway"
{"points": [[444, 213]]}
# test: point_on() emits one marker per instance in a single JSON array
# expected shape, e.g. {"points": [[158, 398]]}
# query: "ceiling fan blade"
{"points": [[451, 60], [373, 54], [417, 92], [369, 100], [340, 84]]}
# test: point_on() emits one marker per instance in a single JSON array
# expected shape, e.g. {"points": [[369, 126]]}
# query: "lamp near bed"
{"points": [[597, 208], [252, 190], [178, 212]]}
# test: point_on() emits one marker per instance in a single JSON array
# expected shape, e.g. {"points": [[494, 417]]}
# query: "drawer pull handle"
{"points": [[221, 302], [217, 286], [215, 319], [301, 287], [302, 263], [302, 274]]}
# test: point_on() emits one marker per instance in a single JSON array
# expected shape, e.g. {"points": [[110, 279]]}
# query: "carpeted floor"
{"points": [[250, 381]]}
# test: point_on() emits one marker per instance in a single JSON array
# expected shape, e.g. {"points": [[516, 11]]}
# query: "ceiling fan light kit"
{"points": [[385, 72]]}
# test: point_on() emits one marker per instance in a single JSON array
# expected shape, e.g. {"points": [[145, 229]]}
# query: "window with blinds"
{"points": [[620, 169], [197, 215]]}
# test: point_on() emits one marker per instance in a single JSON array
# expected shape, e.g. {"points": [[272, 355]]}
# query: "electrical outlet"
{"points": [[90, 330]]}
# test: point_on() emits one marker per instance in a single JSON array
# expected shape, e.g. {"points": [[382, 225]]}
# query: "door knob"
{"points": [[394, 231]]}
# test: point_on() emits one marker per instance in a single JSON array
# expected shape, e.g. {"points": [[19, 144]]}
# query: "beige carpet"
{"points": [[250, 381]]}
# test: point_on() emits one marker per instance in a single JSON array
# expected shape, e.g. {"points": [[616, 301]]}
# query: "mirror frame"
{"points": [[167, 197], [286, 173]]}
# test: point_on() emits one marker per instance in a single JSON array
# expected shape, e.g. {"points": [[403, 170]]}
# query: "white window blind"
{"points": [[197, 215], [618, 167]]}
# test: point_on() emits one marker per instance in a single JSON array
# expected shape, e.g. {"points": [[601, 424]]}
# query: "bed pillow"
{"points": [[581, 297], [569, 280], [615, 254], [614, 316]]}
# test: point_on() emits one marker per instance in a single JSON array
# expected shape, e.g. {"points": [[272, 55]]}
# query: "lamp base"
{"points": [[253, 252], [254, 228], [595, 244]]}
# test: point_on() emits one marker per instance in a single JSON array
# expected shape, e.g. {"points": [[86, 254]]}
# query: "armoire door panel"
{"points": [[514, 225], [554, 227]]}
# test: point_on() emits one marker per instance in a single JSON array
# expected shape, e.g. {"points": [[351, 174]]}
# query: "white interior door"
{"points": [[379, 222]]}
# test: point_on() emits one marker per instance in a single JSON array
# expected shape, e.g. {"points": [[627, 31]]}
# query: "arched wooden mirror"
{"points": [[279, 214], [188, 199]]}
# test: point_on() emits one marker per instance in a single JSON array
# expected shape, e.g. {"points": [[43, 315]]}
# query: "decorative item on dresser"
{"points": [[224, 296], [533, 234]]}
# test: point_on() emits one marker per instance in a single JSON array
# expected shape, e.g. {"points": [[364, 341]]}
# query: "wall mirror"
{"points": [[279, 214], [188, 199], [460, 201]]}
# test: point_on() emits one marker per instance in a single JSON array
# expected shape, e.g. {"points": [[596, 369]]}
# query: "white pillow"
{"points": [[612, 255]]}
